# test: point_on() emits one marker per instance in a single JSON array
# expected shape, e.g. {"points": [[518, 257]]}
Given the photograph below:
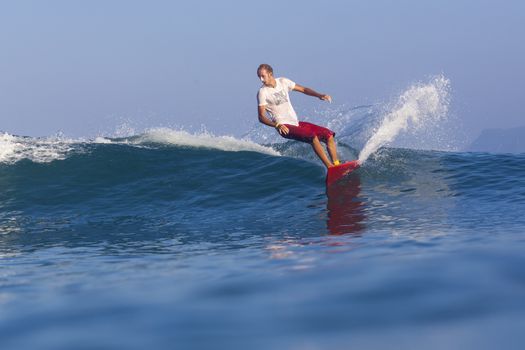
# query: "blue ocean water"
{"points": [[219, 243]]}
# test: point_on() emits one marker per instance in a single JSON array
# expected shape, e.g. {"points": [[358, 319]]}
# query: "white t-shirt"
{"points": [[277, 101]]}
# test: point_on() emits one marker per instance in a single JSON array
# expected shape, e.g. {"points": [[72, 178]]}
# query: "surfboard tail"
{"points": [[337, 172]]}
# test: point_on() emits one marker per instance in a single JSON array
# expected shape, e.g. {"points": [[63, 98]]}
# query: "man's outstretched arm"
{"points": [[311, 92]]}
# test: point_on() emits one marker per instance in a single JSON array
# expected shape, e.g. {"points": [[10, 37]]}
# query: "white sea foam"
{"points": [[420, 105], [39, 150], [202, 140], [100, 139], [7, 147]]}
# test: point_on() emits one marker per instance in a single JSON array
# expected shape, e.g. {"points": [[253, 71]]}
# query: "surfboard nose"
{"points": [[337, 172]]}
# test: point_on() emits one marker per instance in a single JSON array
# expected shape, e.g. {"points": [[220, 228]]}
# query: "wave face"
{"points": [[173, 181], [160, 180]]}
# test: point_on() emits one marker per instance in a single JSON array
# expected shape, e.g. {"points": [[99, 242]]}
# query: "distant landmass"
{"points": [[500, 141]]}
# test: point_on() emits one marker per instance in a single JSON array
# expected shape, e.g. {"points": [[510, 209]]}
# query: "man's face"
{"points": [[265, 76]]}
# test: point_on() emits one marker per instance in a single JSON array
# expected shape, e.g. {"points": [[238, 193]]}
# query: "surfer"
{"points": [[275, 110]]}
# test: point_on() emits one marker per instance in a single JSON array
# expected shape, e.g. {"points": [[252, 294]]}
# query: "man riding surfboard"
{"points": [[275, 110]]}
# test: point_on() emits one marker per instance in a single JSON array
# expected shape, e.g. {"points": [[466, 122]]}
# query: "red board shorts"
{"points": [[306, 132]]}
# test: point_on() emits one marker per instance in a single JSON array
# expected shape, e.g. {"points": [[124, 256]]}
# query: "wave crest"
{"points": [[202, 140], [39, 150], [44, 150]]}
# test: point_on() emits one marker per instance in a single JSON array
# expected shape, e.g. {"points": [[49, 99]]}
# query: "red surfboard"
{"points": [[337, 172]]}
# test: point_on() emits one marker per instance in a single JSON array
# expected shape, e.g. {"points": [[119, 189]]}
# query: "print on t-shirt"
{"points": [[280, 97]]}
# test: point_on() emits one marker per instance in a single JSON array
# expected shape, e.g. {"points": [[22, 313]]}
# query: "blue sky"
{"points": [[83, 67]]}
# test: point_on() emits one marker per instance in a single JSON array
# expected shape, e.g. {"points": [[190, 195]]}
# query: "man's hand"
{"points": [[326, 98], [283, 130]]}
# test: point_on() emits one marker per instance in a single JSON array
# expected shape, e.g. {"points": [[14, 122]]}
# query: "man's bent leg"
{"points": [[318, 148], [332, 149]]}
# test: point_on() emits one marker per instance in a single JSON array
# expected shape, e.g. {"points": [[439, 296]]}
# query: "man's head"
{"points": [[265, 73]]}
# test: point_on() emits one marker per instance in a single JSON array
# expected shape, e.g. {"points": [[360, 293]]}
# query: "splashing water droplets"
{"points": [[420, 105]]}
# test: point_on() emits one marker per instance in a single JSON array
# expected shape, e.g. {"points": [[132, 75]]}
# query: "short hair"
{"points": [[266, 67]]}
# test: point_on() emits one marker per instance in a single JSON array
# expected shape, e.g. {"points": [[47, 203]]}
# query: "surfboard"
{"points": [[337, 172]]}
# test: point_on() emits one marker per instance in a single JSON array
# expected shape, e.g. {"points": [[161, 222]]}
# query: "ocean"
{"points": [[168, 239]]}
